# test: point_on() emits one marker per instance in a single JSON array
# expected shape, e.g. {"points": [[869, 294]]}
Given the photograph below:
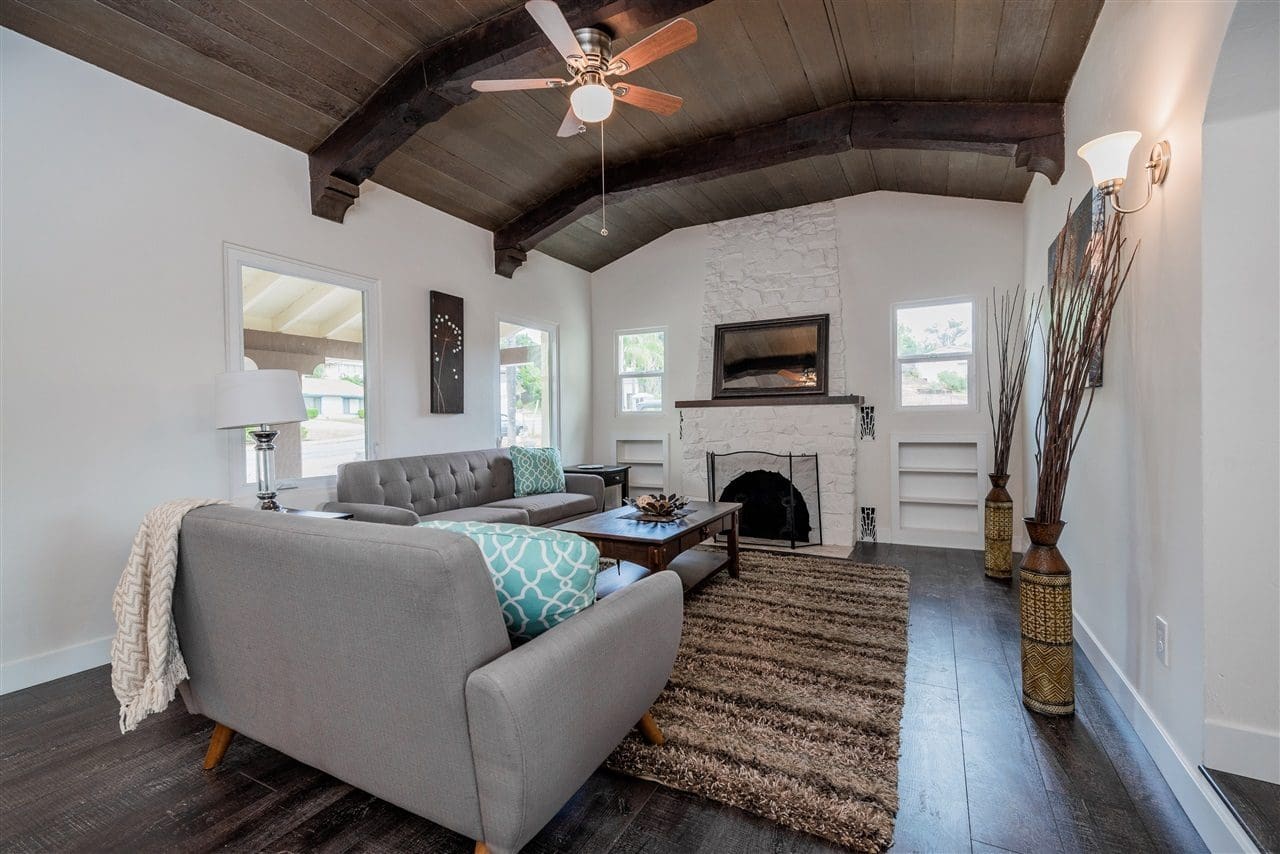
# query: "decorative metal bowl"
{"points": [[660, 506]]}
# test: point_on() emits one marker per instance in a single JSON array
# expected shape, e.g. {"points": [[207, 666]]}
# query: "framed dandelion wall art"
{"points": [[446, 353]]}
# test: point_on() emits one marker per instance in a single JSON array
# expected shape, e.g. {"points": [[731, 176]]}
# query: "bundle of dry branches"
{"points": [[1013, 322], [1081, 303]]}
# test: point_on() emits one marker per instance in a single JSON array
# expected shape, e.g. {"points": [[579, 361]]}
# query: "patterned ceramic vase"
{"points": [[999, 529], [1044, 595]]}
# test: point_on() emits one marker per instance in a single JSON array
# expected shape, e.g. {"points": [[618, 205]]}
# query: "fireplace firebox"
{"points": [[779, 494]]}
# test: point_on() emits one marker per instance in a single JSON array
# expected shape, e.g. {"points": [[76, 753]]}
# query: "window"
{"points": [[933, 354], [642, 357], [526, 385], [319, 323]]}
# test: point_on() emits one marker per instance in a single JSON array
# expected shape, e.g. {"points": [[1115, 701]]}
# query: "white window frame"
{"points": [[553, 364], [619, 376], [972, 356], [235, 258]]}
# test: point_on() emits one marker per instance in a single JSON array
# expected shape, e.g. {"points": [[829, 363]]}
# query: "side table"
{"points": [[613, 476], [316, 514]]}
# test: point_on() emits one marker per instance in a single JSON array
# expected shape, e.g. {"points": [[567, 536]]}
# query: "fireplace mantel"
{"points": [[776, 400]]}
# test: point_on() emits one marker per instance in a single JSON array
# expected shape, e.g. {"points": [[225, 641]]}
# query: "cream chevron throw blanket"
{"points": [[146, 665]]}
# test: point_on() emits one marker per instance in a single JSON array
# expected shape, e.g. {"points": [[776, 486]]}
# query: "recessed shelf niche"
{"points": [[937, 489], [647, 457]]}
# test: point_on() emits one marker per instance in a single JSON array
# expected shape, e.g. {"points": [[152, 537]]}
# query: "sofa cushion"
{"points": [[550, 508], [490, 514], [537, 471], [542, 577]]}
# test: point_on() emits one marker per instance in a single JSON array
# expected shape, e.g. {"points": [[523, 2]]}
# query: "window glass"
{"points": [[934, 354], [316, 329], [641, 363], [525, 386], [935, 329], [935, 383]]}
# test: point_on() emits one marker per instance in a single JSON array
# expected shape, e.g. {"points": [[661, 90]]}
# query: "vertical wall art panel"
{"points": [[446, 353], [1089, 218]]}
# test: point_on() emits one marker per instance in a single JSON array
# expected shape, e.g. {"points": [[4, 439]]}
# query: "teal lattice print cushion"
{"points": [[542, 577], [537, 470]]}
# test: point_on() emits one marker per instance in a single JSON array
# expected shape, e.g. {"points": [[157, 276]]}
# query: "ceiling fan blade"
{"points": [[648, 99], [572, 125], [678, 34], [513, 85], [549, 17]]}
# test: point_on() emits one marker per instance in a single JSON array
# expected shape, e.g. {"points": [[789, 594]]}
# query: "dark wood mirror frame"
{"points": [[821, 322]]}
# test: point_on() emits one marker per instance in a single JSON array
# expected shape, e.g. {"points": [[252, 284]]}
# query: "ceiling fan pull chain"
{"points": [[604, 231]]}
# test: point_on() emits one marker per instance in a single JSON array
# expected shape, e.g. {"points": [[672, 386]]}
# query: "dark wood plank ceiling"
{"points": [[293, 70]]}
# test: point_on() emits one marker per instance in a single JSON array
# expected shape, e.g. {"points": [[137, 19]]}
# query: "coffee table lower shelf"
{"points": [[693, 567]]}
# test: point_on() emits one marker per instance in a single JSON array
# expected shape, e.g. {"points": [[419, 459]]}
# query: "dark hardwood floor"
{"points": [[978, 772]]}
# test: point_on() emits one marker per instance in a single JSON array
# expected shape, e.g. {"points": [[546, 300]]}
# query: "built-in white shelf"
{"points": [[647, 456], [962, 502], [937, 489]]}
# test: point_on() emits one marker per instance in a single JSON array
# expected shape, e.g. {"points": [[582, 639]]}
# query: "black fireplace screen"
{"points": [[778, 494]]}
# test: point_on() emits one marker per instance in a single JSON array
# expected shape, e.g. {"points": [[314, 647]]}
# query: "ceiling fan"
{"points": [[589, 56]]}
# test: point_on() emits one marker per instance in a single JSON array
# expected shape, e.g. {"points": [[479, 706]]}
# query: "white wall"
{"points": [[1240, 361], [896, 247], [1134, 506], [892, 247], [117, 201]]}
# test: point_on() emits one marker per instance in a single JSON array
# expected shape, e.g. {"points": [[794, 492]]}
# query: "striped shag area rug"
{"points": [[786, 697]]}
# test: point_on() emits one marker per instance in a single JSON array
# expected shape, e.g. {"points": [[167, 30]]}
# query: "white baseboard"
{"points": [[25, 672], [1211, 817], [1243, 750]]}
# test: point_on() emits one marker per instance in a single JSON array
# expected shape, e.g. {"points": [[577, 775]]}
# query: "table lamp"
{"points": [[259, 399]]}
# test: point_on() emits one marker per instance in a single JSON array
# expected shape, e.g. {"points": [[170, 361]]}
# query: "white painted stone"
{"points": [[780, 264]]}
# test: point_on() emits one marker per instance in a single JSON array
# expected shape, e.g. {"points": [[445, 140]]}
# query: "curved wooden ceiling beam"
{"points": [[439, 79], [1032, 133]]}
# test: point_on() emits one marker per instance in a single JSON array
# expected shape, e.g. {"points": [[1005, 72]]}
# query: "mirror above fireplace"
{"points": [[787, 356]]}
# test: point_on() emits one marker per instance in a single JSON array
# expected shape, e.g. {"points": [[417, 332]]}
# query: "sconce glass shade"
{"points": [[592, 102], [1108, 157]]}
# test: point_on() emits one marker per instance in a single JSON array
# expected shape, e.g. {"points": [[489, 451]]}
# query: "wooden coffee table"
{"points": [[656, 546]]}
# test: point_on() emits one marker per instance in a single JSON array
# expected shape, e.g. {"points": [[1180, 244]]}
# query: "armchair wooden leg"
{"points": [[217, 746], [481, 848], [649, 729]]}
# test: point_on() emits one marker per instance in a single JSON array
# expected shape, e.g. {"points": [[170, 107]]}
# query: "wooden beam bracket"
{"points": [[507, 260], [331, 196], [1043, 154]]}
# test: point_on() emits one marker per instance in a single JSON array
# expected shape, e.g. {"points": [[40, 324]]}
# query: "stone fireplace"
{"points": [[777, 265]]}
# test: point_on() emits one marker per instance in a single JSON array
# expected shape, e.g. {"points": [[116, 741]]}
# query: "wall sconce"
{"points": [[1108, 159]]}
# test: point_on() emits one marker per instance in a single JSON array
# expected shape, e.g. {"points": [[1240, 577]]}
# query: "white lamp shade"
{"points": [[248, 398], [592, 102], [1108, 156]]}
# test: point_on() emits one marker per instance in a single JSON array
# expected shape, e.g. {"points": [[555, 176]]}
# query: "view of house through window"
{"points": [[316, 329], [641, 363], [525, 386], [934, 348]]}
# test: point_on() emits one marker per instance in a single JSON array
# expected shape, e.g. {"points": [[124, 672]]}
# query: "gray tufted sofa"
{"points": [[469, 486]]}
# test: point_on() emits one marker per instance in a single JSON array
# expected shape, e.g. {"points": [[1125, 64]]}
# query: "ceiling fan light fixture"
{"points": [[592, 102]]}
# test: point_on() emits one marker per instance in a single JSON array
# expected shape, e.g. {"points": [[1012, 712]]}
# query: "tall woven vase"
{"points": [[999, 529], [1048, 666]]}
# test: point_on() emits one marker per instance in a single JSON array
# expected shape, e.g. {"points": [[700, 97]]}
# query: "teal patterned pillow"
{"points": [[542, 577], [538, 470]]}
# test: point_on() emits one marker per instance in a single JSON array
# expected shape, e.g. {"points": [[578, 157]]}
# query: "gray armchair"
{"points": [[377, 653]]}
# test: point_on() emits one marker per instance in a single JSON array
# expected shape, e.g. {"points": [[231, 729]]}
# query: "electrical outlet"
{"points": [[1162, 640]]}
